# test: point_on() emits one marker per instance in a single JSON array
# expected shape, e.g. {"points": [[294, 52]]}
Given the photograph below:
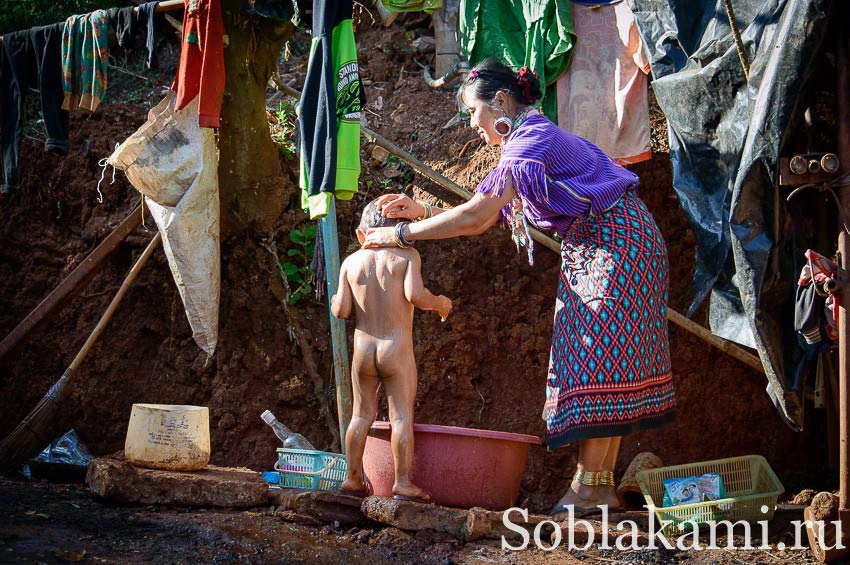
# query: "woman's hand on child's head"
{"points": [[444, 308], [379, 237], [400, 206]]}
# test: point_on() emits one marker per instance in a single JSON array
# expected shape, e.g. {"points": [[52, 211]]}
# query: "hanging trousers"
{"points": [[30, 59]]}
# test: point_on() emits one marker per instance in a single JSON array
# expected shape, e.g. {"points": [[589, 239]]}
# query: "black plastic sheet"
{"points": [[725, 136]]}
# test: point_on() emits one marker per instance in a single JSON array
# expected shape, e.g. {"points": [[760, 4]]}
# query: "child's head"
{"points": [[373, 218]]}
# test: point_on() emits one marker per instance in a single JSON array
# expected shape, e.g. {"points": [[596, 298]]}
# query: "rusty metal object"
{"points": [[810, 168]]}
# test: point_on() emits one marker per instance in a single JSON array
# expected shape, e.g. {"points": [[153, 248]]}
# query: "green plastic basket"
{"points": [[750, 484], [310, 470]]}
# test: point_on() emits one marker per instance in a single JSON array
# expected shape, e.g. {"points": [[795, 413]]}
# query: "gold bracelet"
{"points": [[595, 478]]}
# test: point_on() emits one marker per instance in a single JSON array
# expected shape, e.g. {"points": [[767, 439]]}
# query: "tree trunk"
{"points": [[253, 190]]}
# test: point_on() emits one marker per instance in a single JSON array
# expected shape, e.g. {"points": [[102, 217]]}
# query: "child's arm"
{"points": [[418, 295], [342, 301]]}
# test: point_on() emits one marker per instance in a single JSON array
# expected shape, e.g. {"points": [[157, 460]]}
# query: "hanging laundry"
{"points": [[85, 58], [329, 112], [201, 70], [534, 33], [603, 97], [429, 6], [125, 26], [146, 18], [30, 59]]}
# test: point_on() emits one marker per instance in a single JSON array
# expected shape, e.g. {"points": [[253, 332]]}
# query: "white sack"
{"points": [[173, 162]]}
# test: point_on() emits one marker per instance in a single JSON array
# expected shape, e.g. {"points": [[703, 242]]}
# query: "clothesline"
{"points": [[166, 6]]}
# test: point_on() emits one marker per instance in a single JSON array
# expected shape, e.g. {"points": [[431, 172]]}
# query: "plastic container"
{"points": [[310, 470], [459, 467], [169, 437], [750, 484]]}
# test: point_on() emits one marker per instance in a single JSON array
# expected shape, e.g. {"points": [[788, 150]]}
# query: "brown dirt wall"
{"points": [[484, 368]]}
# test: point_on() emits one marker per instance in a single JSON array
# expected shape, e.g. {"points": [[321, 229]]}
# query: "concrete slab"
{"points": [[115, 479]]}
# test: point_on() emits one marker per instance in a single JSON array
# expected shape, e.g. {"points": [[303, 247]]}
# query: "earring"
{"points": [[503, 126]]}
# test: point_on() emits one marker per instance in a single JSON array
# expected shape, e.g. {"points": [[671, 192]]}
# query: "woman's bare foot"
{"points": [[585, 497], [409, 491]]}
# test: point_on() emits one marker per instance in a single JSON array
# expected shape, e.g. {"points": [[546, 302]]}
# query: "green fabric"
{"points": [[348, 101], [429, 6], [538, 34]]}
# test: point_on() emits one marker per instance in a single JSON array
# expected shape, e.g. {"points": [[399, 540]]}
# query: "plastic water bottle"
{"points": [[290, 439]]}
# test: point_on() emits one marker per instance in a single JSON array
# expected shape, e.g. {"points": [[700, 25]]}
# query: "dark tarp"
{"points": [[725, 137]]}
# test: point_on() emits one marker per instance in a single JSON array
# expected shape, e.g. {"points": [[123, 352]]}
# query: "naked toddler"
{"points": [[383, 286]]}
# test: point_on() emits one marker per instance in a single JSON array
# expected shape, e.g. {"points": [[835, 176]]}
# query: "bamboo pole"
{"points": [[730, 348], [339, 341]]}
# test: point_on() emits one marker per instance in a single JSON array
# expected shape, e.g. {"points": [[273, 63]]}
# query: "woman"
{"points": [[609, 368]]}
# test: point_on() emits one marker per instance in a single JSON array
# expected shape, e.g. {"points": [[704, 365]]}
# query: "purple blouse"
{"points": [[558, 176]]}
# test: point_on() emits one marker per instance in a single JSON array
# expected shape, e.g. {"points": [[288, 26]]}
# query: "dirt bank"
{"points": [[484, 368]]}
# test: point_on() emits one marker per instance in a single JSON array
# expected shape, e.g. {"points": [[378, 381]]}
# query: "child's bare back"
{"points": [[382, 287], [385, 285]]}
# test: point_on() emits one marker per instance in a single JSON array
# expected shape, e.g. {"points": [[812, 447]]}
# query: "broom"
{"points": [[39, 428]]}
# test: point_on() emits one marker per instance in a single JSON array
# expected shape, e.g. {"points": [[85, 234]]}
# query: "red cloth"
{"points": [[201, 70]]}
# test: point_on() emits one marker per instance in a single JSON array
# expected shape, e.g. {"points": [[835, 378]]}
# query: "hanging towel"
{"points": [[535, 33], [603, 97], [201, 70], [85, 57], [329, 113]]}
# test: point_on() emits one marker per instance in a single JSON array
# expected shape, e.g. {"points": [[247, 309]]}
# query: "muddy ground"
{"points": [[48, 523], [484, 368]]}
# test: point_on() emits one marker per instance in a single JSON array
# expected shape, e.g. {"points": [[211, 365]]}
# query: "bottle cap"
{"points": [[268, 417]]}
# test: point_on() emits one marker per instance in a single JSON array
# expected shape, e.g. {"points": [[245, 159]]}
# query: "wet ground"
{"points": [[49, 523]]}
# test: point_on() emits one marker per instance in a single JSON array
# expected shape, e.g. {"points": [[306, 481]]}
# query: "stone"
{"points": [[424, 44], [225, 487], [407, 515], [392, 171], [321, 505], [295, 518], [482, 523], [824, 506], [380, 154], [804, 497]]}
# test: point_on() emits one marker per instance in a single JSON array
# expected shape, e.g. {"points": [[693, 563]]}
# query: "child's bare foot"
{"points": [[411, 492], [356, 487]]}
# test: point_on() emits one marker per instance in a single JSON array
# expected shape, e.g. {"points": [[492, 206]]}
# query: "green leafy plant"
{"points": [[297, 269], [283, 133]]}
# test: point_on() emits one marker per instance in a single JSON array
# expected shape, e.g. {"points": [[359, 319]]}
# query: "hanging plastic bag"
{"points": [[173, 162]]}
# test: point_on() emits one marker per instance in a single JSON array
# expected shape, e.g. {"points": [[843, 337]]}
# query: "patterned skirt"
{"points": [[609, 369]]}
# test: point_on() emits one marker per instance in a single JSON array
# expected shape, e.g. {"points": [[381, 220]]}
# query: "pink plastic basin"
{"points": [[459, 467]]}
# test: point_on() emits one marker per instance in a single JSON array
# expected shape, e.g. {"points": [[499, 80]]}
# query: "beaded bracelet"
{"points": [[429, 212]]}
